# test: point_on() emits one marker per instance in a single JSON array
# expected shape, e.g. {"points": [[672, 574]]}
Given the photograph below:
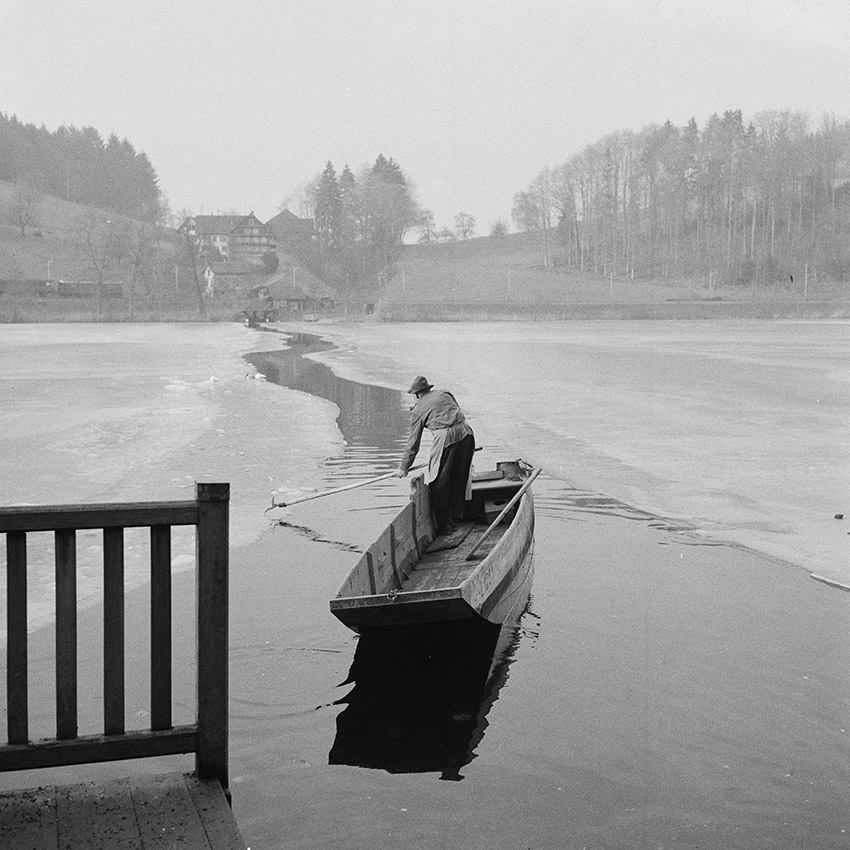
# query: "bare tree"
{"points": [[25, 205], [427, 228], [98, 241], [499, 229], [543, 192], [464, 225], [191, 254], [525, 212], [141, 251]]}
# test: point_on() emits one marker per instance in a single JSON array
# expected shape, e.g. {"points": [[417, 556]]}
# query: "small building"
{"points": [[228, 278], [296, 290]]}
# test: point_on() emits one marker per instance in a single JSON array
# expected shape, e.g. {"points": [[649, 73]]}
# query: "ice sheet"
{"points": [[739, 428], [121, 413]]}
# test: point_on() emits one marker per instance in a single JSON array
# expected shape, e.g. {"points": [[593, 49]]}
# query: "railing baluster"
{"points": [[66, 634], [113, 631], [16, 648], [160, 627]]}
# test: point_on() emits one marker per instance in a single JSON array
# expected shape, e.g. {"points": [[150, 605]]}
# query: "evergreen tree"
{"points": [[328, 212], [76, 165]]}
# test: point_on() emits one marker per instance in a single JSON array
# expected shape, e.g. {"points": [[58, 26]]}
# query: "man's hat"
{"points": [[419, 385]]}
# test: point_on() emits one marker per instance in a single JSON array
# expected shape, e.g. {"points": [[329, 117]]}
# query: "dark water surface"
{"points": [[420, 697], [656, 693]]}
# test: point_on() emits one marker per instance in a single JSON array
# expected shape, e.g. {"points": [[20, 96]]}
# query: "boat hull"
{"points": [[490, 589]]}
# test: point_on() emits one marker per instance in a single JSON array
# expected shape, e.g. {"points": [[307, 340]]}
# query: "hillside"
{"points": [[54, 238], [483, 278], [509, 271]]}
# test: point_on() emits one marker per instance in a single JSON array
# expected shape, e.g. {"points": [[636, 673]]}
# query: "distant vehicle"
{"points": [[85, 288], [62, 288]]}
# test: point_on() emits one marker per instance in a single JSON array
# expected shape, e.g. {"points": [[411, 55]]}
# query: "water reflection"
{"points": [[421, 697], [373, 420]]}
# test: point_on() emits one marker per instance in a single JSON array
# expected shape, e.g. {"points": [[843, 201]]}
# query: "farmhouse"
{"points": [[235, 237]]}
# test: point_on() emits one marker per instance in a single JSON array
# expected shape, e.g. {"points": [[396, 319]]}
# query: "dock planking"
{"points": [[137, 813]]}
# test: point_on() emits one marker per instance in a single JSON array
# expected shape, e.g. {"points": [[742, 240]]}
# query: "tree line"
{"points": [[77, 165], [745, 202], [360, 220]]}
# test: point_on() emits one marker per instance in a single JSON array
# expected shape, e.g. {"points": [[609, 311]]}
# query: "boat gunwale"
{"points": [[401, 596], [504, 541]]}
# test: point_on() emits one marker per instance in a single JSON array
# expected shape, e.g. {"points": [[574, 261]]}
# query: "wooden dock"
{"points": [[167, 811], [137, 813]]}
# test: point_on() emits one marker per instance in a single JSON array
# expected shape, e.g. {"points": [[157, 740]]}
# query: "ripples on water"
{"points": [[567, 504]]}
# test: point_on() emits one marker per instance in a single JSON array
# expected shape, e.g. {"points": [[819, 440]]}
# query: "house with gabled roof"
{"points": [[291, 233], [235, 237], [294, 289]]}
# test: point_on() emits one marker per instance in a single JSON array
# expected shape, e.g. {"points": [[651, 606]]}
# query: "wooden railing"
{"points": [[207, 737]]}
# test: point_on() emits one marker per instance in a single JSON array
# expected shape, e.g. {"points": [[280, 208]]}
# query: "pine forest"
{"points": [[77, 165]]}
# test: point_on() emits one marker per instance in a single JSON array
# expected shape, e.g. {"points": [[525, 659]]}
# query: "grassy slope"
{"points": [[27, 256], [503, 271], [510, 269]]}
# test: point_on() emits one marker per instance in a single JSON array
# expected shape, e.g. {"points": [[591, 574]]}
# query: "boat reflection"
{"points": [[421, 697]]}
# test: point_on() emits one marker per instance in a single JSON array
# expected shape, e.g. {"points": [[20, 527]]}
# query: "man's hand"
{"points": [[402, 473]]}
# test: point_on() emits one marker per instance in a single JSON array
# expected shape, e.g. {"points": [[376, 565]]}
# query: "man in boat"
{"points": [[451, 451]]}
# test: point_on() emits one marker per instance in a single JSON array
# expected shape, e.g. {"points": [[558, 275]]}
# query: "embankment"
{"points": [[458, 311]]}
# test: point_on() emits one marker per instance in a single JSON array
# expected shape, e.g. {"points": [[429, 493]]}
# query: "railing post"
{"points": [[212, 547]]}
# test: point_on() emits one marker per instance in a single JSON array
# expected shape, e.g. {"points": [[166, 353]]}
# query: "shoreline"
{"points": [[122, 311]]}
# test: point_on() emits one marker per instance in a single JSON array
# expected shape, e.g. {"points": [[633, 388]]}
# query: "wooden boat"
{"points": [[410, 576]]}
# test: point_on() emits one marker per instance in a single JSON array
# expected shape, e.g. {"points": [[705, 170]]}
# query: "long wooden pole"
{"points": [[339, 489], [507, 507], [346, 487]]}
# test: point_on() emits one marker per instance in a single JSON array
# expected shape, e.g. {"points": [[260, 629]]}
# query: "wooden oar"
{"points": [[338, 489], [507, 507]]}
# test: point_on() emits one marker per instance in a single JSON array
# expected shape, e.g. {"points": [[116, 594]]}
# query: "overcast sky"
{"points": [[237, 104]]}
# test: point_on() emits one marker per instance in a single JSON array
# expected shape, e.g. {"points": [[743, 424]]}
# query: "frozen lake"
{"points": [[740, 429], [662, 689]]}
